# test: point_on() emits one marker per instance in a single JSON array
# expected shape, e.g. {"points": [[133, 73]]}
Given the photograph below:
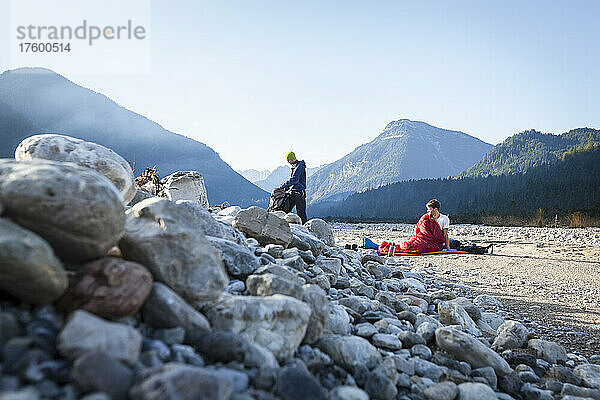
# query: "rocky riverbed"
{"points": [[547, 277], [164, 299]]}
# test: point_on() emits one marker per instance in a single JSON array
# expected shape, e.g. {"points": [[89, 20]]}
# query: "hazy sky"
{"points": [[254, 79]]}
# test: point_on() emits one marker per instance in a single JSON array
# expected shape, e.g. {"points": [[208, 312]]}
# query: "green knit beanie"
{"points": [[290, 156]]}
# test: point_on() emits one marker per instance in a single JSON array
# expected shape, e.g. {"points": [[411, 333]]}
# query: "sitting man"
{"points": [[297, 183], [431, 233]]}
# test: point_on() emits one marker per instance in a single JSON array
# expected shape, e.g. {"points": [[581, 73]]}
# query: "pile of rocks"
{"points": [[164, 300]]}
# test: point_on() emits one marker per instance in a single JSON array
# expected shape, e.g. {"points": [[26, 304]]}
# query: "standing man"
{"points": [[297, 183], [433, 209]]}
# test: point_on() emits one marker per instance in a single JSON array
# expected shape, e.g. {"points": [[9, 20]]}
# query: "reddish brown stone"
{"points": [[109, 287]]}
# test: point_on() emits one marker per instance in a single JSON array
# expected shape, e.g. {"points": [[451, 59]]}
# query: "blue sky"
{"points": [[254, 79]]}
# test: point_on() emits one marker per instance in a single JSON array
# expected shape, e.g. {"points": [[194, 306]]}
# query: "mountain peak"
{"points": [[397, 154]]}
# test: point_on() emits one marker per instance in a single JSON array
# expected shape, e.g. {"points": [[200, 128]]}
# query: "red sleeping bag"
{"points": [[428, 237]]}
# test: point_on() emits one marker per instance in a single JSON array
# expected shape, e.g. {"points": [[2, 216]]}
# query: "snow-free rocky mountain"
{"points": [[404, 150], [37, 100], [254, 175]]}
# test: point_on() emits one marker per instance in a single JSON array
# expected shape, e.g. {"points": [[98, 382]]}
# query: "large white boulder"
{"points": [[85, 154], [264, 226], [185, 185]]}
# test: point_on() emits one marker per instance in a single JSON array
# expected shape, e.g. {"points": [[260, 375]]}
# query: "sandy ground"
{"points": [[548, 278]]}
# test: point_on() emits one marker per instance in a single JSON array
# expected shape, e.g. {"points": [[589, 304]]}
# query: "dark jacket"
{"points": [[297, 179]]}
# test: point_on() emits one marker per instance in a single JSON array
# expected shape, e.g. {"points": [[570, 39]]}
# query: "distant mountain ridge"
{"points": [[529, 149], [50, 103], [404, 150], [254, 175], [571, 184]]}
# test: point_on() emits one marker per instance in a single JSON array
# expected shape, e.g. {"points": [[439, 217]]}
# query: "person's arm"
{"points": [[446, 238], [293, 180]]}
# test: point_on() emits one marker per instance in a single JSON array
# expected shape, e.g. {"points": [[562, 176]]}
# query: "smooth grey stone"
{"points": [[316, 298], [409, 339], [421, 351], [29, 270], [166, 309], [386, 341], [549, 351], [270, 284], [511, 335], [222, 346], [98, 372], [170, 336], [265, 377], [276, 322], [348, 393], [553, 385], [359, 304], [302, 238], [295, 262], [339, 321], [589, 374], [563, 374], [529, 376], [258, 356], [204, 221], [313, 358], [85, 333], [238, 260], [290, 253], [235, 286], [275, 250], [452, 313], [162, 236], [428, 369], [238, 379], [485, 300], [366, 330], [488, 374], [574, 390], [297, 384], [76, 210], [531, 392], [380, 386], [97, 396], [467, 348], [181, 382], [510, 383], [441, 391], [349, 351], [186, 354], [26, 393], [427, 331], [494, 320], [475, 391], [306, 255], [470, 308], [281, 271], [321, 230]]}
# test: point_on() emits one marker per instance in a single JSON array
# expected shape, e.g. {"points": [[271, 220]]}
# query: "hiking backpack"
{"points": [[280, 201]]}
